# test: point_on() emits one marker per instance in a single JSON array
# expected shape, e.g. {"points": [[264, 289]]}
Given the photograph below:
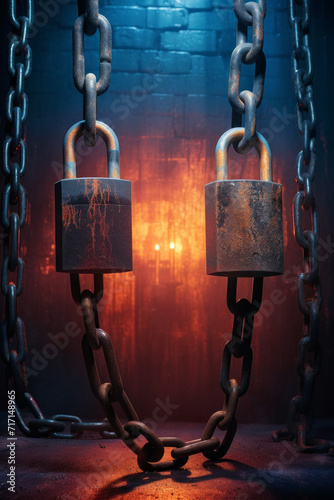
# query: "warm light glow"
{"points": [[157, 247], [172, 246]]}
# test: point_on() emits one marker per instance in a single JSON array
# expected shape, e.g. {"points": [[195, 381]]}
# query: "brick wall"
{"points": [[170, 62]]}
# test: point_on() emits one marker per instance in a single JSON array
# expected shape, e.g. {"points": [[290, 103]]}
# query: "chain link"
{"points": [[88, 22], [246, 102], [90, 8], [309, 352], [149, 456], [151, 453]]}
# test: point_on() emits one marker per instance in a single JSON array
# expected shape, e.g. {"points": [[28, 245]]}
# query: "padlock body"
{"points": [[93, 225], [244, 232]]}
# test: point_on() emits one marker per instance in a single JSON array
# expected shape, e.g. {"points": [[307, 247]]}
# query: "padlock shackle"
{"points": [[260, 144], [110, 139]]}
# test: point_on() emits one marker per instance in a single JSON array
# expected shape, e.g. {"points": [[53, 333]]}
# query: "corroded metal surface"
{"points": [[258, 142], [108, 136], [93, 225], [244, 231], [244, 228]]}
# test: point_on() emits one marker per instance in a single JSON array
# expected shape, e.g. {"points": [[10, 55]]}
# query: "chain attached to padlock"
{"points": [[88, 22], [244, 231], [151, 454], [246, 102]]}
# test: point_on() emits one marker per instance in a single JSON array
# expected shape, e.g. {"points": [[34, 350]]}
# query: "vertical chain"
{"points": [[14, 203], [246, 102], [13, 348], [88, 22], [300, 418]]}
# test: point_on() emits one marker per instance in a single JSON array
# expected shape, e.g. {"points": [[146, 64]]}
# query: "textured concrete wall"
{"points": [[168, 105]]}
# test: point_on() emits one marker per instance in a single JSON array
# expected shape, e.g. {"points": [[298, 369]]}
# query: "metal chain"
{"points": [[247, 101], [14, 201], [13, 348], [88, 22], [150, 455], [308, 366]]}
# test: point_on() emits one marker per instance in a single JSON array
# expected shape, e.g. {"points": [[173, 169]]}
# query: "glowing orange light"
{"points": [[172, 246], [157, 247]]}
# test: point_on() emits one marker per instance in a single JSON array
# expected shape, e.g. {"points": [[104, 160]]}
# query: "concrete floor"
{"points": [[94, 468]]}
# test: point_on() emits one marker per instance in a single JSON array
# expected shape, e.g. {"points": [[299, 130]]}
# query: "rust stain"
{"points": [[117, 198], [247, 229], [97, 216], [70, 215]]}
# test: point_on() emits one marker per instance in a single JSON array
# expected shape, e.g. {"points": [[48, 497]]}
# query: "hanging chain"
{"points": [[13, 348], [88, 22], [247, 101], [300, 418], [14, 204]]}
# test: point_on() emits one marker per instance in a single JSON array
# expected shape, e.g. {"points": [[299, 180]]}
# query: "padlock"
{"points": [[244, 232], [93, 215]]}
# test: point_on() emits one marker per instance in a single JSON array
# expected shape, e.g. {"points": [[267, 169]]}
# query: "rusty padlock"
{"points": [[93, 215], [244, 233]]}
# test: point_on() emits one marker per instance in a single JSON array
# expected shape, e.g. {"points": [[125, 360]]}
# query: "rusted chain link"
{"points": [[246, 102], [308, 366], [150, 455], [89, 8], [87, 23]]}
